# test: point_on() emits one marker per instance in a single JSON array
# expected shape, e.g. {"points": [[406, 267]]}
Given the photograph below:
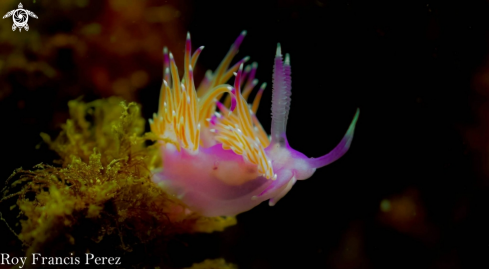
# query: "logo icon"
{"points": [[20, 17]]}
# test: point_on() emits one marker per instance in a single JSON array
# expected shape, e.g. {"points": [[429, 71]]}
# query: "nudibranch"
{"points": [[216, 156]]}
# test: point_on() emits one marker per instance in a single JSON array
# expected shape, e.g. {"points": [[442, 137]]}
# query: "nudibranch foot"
{"points": [[212, 182], [217, 158]]}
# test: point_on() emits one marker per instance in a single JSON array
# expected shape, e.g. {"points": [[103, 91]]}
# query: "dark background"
{"points": [[416, 69]]}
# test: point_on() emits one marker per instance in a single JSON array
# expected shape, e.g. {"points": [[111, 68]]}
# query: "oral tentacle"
{"points": [[274, 200], [339, 150], [285, 176]]}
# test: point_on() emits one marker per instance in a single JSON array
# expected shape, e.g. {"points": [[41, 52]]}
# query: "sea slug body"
{"points": [[216, 156]]}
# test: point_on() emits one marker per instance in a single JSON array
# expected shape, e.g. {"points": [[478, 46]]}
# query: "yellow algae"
{"points": [[91, 29], [213, 264], [101, 186]]}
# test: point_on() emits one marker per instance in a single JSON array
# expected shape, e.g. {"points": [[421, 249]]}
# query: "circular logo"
{"points": [[20, 17]]}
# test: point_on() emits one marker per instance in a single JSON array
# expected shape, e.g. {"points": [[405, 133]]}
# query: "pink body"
{"points": [[229, 165]]}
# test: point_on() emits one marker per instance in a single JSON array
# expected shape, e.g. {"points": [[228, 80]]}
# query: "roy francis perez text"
{"points": [[37, 258]]}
